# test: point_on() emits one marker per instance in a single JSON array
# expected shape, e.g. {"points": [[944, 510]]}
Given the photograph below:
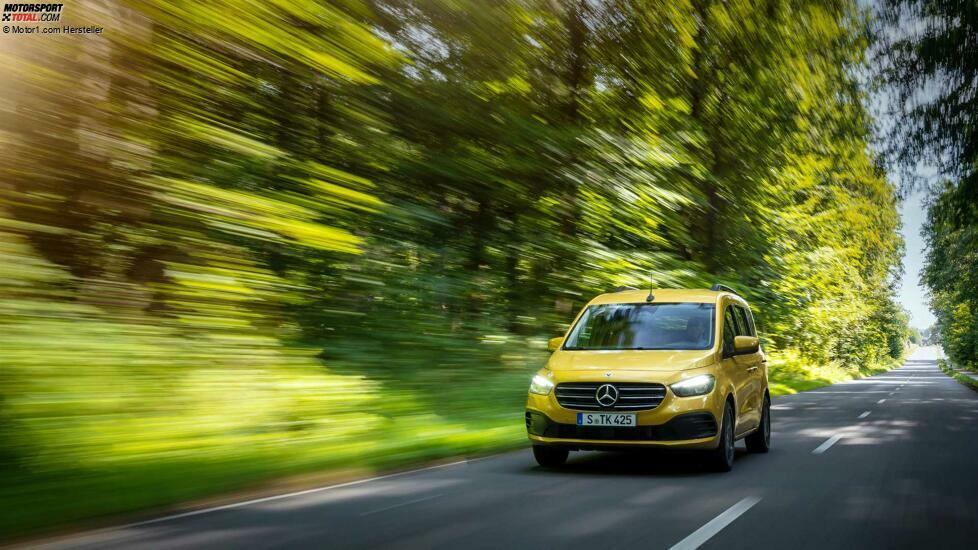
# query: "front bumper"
{"points": [[677, 423], [696, 430]]}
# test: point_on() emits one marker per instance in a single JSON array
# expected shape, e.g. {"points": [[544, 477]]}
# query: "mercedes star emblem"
{"points": [[606, 395]]}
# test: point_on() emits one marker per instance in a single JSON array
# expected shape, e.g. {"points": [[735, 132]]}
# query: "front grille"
{"points": [[632, 396]]}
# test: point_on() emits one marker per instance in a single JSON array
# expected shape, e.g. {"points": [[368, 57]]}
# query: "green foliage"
{"points": [[789, 372], [951, 232], [279, 236], [929, 67]]}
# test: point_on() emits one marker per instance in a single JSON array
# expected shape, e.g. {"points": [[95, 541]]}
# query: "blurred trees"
{"points": [[929, 51], [197, 204], [951, 272]]}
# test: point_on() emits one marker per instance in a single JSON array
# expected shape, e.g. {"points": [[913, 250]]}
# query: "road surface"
{"points": [[884, 462]]}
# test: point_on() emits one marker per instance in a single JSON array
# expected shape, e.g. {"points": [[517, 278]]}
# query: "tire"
{"points": [[760, 440], [721, 459], [550, 457]]}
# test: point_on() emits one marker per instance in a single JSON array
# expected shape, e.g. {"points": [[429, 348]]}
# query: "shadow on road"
{"points": [[919, 362], [639, 463]]}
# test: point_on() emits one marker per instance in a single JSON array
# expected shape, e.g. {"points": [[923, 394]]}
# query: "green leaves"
{"points": [[254, 216], [951, 233]]}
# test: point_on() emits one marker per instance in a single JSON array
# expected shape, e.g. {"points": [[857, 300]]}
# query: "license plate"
{"points": [[605, 419]]}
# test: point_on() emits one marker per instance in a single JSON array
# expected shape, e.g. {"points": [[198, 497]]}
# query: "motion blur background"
{"points": [[241, 240]]}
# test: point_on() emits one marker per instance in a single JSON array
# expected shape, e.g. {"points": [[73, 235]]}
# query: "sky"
{"points": [[911, 295], [913, 212]]}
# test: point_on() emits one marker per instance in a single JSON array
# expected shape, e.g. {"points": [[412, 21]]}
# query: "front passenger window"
{"points": [[729, 330]]}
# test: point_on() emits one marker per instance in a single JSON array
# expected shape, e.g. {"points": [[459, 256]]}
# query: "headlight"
{"points": [[541, 385], [697, 385]]}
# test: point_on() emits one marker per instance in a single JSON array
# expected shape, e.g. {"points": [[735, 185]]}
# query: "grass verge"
{"points": [[962, 378], [789, 372]]}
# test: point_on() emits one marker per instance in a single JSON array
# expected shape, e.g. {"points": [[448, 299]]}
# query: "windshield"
{"points": [[644, 326]]}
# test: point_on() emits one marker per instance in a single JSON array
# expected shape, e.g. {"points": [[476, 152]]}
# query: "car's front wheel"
{"points": [[760, 440], [721, 459], [550, 457]]}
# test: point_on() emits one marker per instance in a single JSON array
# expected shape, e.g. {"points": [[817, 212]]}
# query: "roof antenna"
{"points": [[650, 297]]}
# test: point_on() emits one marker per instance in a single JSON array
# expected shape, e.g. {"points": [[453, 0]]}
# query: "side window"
{"points": [[729, 330], [750, 321], [744, 326]]}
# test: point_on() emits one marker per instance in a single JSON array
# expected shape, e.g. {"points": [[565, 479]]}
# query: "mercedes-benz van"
{"points": [[676, 369]]}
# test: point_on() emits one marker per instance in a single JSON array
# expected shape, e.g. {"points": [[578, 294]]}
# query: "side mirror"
{"points": [[554, 343], [746, 344]]}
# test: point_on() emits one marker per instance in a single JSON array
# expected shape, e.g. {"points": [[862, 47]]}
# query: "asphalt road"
{"points": [[884, 462]]}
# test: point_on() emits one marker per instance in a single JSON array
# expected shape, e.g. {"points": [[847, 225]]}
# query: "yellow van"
{"points": [[677, 369]]}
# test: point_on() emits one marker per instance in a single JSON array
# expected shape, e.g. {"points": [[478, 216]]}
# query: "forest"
{"points": [[243, 240]]}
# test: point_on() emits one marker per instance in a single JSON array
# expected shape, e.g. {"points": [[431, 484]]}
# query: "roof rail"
{"points": [[724, 288], [624, 288]]}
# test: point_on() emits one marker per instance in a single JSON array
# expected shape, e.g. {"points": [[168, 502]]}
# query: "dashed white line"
{"points": [[715, 525], [828, 443], [400, 504], [864, 415], [881, 401]]}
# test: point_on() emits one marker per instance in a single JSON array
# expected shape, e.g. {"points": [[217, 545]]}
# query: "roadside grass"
{"points": [[789, 372], [83, 498], [102, 418], [147, 480], [961, 377]]}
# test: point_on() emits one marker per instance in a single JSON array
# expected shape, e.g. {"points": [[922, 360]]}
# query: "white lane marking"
{"points": [[270, 498], [881, 401], [828, 443], [398, 505], [843, 392], [864, 415], [715, 525]]}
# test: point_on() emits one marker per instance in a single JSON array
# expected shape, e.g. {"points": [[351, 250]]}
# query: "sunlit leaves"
{"points": [[263, 217]]}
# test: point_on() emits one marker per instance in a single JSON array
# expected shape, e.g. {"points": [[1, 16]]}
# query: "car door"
{"points": [[737, 373], [751, 364]]}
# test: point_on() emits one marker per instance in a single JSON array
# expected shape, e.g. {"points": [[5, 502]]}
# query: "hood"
{"points": [[638, 360]]}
